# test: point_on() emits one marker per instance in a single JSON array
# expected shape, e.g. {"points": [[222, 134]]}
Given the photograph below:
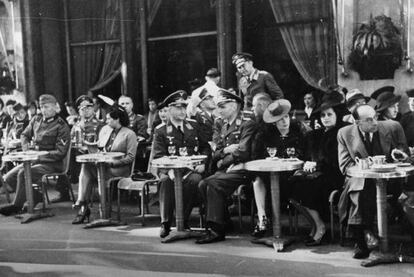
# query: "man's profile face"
{"points": [[367, 121], [208, 103], [411, 103], [126, 103], [245, 68], [226, 110]]}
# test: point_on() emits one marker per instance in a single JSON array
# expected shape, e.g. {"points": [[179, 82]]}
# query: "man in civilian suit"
{"points": [[367, 137]]}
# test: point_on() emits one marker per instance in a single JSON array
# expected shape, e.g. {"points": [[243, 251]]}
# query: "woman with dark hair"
{"points": [[113, 137], [320, 175], [387, 105]]}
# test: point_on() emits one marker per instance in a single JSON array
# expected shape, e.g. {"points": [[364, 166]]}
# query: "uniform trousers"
{"points": [[15, 178], [215, 190], [167, 196]]}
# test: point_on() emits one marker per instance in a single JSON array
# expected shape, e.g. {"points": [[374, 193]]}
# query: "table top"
{"points": [[398, 172], [171, 162], [273, 165], [23, 156], [99, 157]]}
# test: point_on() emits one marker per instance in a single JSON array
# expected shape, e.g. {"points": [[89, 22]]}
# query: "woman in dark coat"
{"points": [[286, 136], [320, 175]]}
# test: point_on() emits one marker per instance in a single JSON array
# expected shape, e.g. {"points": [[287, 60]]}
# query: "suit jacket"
{"points": [[350, 145], [407, 122], [125, 142]]}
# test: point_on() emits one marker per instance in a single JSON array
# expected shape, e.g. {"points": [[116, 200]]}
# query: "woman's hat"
{"points": [[276, 111], [330, 100], [385, 98]]}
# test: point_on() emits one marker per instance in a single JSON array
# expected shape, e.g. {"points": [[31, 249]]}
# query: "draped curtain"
{"points": [[94, 66], [308, 33]]}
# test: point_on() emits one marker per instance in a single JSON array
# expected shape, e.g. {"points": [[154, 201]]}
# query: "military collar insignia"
{"points": [[238, 121], [169, 129], [189, 127], [50, 119]]}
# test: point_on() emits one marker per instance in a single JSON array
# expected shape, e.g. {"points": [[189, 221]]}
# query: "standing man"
{"points": [[4, 117], [136, 121], [367, 137], [407, 120], [253, 80], [181, 135], [48, 132], [232, 147]]}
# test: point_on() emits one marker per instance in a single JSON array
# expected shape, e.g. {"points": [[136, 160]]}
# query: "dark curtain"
{"points": [[94, 66], [307, 30]]}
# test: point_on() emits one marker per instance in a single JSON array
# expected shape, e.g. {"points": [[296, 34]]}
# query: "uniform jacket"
{"points": [[125, 142], [17, 127], [261, 81], [52, 135], [90, 129], [240, 132], [138, 124], [206, 123], [191, 137], [350, 145], [407, 122]]}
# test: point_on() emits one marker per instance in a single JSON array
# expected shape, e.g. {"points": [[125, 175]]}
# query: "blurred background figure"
{"points": [[73, 116]]}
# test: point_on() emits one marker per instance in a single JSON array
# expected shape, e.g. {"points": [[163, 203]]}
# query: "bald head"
{"points": [[126, 103], [366, 118], [260, 103]]}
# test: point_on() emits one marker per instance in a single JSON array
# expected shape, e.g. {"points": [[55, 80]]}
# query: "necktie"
{"points": [[179, 129], [368, 143]]}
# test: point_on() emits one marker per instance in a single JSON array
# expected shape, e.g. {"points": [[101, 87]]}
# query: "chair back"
{"points": [[66, 160]]}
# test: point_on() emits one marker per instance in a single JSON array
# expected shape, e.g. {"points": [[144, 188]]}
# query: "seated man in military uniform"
{"points": [[170, 138], [84, 133], [232, 142], [47, 132]]}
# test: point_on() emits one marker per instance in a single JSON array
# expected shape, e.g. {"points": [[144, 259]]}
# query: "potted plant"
{"points": [[376, 49]]}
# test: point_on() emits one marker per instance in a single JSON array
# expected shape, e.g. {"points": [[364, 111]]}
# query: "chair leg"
{"points": [[142, 205], [331, 211], [43, 196], [110, 195], [45, 191], [147, 198], [295, 213], [119, 205], [341, 234], [252, 209], [290, 219], [240, 211]]}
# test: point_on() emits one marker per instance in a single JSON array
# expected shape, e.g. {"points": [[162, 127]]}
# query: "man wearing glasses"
{"points": [[253, 81], [367, 137]]}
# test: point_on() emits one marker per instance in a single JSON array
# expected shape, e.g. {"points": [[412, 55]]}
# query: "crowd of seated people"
{"points": [[334, 131]]}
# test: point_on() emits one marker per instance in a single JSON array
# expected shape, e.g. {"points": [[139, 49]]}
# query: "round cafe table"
{"points": [[381, 178], [27, 158], [100, 159], [178, 164], [274, 166]]}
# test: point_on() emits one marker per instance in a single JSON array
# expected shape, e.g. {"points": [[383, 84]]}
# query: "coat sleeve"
{"points": [[344, 157], [272, 87], [62, 145], [27, 133], [243, 152], [159, 148], [142, 127], [131, 150], [400, 139]]}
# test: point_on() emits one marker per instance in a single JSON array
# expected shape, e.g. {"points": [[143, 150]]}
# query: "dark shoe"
{"points": [[371, 240], [317, 239], [165, 229], [361, 252], [84, 214], [211, 237], [62, 197], [261, 228], [9, 209]]}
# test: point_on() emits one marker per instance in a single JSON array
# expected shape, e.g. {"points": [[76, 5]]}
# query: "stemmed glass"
{"points": [[271, 151], [183, 151], [171, 150]]}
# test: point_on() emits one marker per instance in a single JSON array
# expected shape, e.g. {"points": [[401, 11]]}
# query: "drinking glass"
{"points": [[171, 150], [271, 151], [183, 151], [291, 152]]}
